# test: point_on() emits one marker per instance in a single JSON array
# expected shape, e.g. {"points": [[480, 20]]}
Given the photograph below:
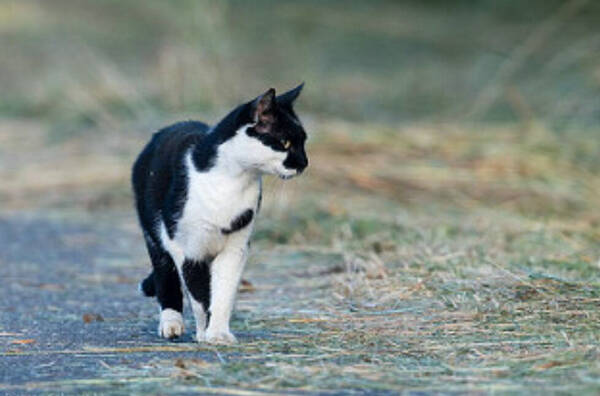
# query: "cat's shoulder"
{"points": [[185, 127], [177, 138], [181, 132]]}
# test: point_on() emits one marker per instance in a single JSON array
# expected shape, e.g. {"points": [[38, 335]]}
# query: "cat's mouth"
{"points": [[288, 174]]}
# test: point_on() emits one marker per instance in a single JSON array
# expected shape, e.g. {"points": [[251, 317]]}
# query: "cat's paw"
{"points": [[219, 337], [171, 323], [200, 335]]}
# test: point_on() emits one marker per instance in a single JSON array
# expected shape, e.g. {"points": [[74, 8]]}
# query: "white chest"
{"points": [[214, 199]]}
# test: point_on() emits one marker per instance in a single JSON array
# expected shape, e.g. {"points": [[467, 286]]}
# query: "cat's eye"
{"points": [[286, 144]]}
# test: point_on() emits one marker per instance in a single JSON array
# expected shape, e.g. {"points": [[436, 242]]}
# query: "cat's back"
{"points": [[167, 144], [175, 139], [157, 165]]}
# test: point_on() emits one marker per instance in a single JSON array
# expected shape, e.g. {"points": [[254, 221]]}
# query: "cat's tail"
{"points": [[147, 286]]}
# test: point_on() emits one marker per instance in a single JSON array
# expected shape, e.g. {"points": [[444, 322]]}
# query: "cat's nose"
{"points": [[303, 163]]}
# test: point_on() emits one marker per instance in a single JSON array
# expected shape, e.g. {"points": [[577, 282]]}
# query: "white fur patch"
{"points": [[251, 154], [200, 317], [171, 323], [223, 337]]}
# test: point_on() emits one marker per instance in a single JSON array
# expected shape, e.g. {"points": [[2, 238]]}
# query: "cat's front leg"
{"points": [[196, 275], [226, 272]]}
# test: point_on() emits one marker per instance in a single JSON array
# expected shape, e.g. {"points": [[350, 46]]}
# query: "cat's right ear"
{"points": [[288, 98], [262, 111]]}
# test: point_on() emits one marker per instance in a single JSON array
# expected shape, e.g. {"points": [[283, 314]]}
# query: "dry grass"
{"points": [[438, 309]]}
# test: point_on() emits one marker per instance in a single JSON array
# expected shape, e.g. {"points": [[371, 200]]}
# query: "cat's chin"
{"points": [[287, 175]]}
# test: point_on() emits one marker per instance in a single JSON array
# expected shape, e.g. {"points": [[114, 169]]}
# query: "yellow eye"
{"points": [[286, 144]]}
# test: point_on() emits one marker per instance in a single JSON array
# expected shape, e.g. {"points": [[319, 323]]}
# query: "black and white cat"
{"points": [[197, 191]]}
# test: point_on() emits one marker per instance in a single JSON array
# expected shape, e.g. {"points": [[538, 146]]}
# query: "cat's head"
{"points": [[276, 134]]}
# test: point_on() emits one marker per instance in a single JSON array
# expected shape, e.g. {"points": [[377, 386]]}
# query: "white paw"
{"points": [[219, 337], [171, 323], [200, 335]]}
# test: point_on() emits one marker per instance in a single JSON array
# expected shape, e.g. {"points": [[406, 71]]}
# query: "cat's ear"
{"points": [[288, 98], [262, 111]]}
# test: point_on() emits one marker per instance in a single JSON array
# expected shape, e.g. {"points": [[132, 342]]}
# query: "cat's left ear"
{"points": [[262, 111], [288, 98]]}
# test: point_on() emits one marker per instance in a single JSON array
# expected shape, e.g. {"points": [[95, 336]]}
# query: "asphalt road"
{"points": [[69, 303]]}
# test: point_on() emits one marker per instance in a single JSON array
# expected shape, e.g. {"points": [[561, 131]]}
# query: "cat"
{"points": [[197, 192]]}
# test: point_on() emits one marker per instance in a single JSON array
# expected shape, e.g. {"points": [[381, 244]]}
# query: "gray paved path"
{"points": [[69, 305]]}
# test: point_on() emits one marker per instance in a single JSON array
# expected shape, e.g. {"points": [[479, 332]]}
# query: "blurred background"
{"points": [[445, 236], [480, 102]]}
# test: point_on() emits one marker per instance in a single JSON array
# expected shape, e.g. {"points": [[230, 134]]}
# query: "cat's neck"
{"points": [[219, 154], [222, 149], [224, 179]]}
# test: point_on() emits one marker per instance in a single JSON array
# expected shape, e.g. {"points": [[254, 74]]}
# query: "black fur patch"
{"points": [[267, 139], [147, 286], [259, 203], [286, 128], [167, 286], [159, 176], [197, 278], [239, 222]]}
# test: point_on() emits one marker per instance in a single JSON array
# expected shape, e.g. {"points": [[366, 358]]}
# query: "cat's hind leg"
{"points": [[167, 287], [147, 287]]}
